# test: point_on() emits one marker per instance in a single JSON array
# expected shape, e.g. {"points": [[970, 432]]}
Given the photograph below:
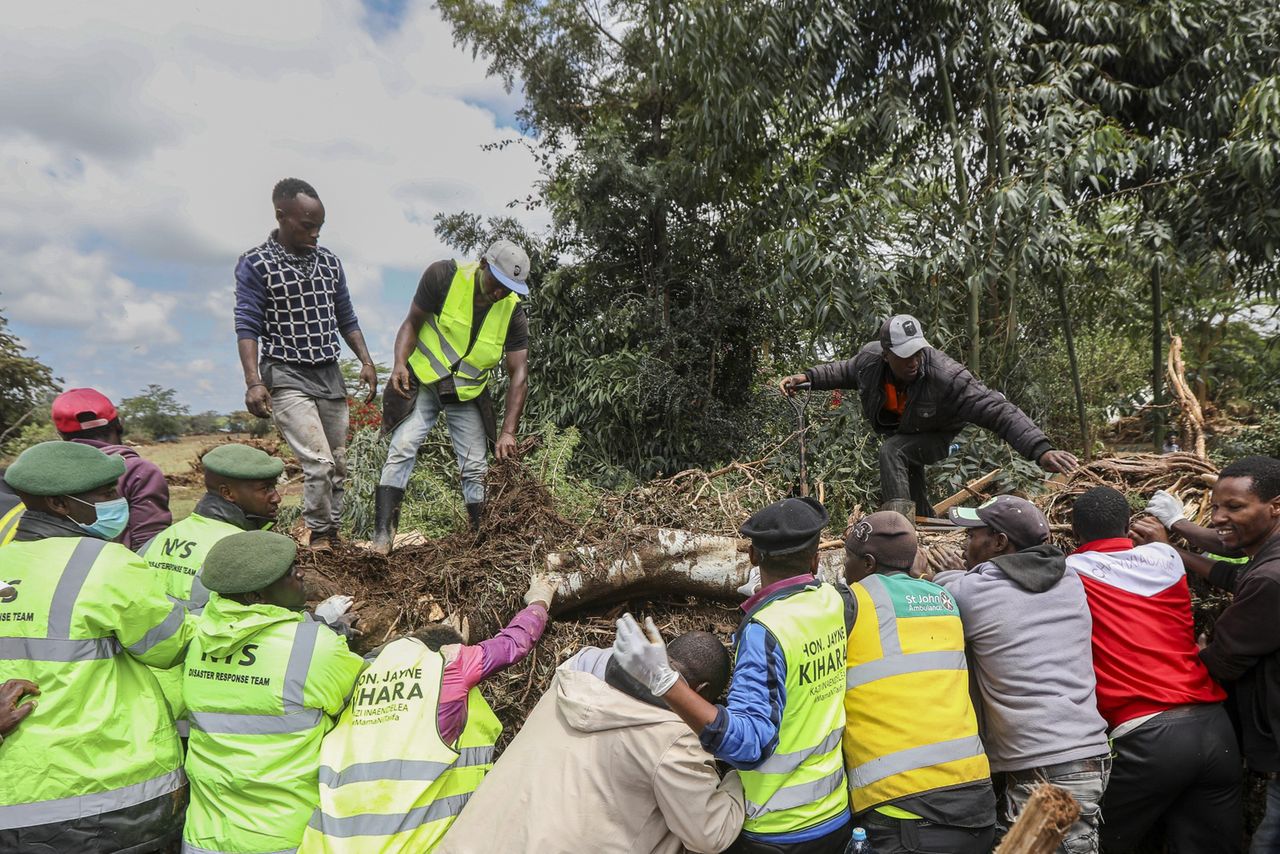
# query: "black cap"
{"points": [[786, 526], [1016, 518]]}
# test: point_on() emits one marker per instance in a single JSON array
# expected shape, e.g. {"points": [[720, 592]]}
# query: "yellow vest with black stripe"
{"points": [[442, 348], [802, 783], [910, 727], [9, 522], [388, 781]]}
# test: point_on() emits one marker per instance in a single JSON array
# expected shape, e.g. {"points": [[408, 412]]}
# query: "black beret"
{"points": [[63, 468], [786, 526]]}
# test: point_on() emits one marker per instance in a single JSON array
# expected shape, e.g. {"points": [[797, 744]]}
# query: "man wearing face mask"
{"points": [[918, 398], [464, 320], [97, 766], [262, 684]]}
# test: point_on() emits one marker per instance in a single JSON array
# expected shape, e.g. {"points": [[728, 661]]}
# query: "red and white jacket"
{"points": [[1144, 646]]}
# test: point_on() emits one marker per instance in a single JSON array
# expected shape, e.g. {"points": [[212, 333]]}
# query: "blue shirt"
{"points": [[745, 731]]}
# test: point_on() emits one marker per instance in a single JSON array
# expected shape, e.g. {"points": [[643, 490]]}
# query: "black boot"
{"points": [[475, 512], [386, 517]]}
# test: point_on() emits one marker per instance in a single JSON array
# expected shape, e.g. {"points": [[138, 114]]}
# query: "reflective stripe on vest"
{"points": [[906, 652], [295, 718], [802, 783], [58, 645], [444, 347], [388, 783], [9, 522], [95, 803], [188, 848]]}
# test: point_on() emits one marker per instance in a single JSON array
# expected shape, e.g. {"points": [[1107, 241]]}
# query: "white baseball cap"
{"points": [[903, 336], [509, 265]]}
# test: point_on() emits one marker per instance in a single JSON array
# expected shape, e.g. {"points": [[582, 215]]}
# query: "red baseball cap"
{"points": [[81, 409]]}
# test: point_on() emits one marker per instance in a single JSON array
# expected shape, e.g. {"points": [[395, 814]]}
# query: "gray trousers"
{"points": [[316, 430], [903, 457]]}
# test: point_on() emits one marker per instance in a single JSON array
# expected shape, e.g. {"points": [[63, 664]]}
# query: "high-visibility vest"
{"points": [[910, 726], [262, 686], [9, 522], [177, 553], [802, 783], [84, 617], [388, 782], [442, 348]]}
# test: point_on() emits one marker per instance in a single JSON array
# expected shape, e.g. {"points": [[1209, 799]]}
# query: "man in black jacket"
{"points": [[919, 398], [1245, 649]]}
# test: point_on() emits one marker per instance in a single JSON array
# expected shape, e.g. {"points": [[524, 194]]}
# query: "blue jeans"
{"points": [[1084, 779], [1266, 839], [466, 430]]}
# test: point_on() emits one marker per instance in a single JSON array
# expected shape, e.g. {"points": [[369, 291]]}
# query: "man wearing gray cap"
{"points": [[916, 782], [1028, 631], [463, 319], [918, 399]]}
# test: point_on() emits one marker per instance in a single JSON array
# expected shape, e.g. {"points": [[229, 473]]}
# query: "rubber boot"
{"points": [[475, 512], [905, 506], [386, 517]]}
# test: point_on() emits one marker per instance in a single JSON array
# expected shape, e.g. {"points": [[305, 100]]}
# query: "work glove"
{"points": [[1166, 507], [334, 607], [542, 588], [644, 655], [753, 583]]}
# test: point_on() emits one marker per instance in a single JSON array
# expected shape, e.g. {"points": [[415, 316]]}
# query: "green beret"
{"points": [[247, 561], [62, 468], [242, 462]]}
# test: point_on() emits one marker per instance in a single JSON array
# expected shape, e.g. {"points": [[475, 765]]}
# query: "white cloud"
{"points": [[140, 136]]}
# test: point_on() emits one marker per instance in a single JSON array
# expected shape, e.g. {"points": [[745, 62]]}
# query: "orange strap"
{"points": [[891, 401]]}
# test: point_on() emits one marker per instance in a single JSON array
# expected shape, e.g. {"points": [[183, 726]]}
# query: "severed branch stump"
{"points": [[1044, 821]]}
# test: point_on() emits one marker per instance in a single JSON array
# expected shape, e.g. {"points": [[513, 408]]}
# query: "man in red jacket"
{"points": [[85, 415], [1175, 758]]}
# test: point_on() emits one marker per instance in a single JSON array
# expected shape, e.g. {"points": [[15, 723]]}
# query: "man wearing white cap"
{"points": [[464, 319], [918, 399]]}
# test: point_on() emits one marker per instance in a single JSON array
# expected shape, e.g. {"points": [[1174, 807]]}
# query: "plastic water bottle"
{"points": [[859, 843]]}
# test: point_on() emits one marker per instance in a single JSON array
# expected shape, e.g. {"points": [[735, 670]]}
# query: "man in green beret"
{"points": [[97, 766], [241, 496], [263, 683]]}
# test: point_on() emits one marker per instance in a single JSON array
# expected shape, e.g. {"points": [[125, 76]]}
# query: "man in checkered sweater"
{"points": [[292, 300]]}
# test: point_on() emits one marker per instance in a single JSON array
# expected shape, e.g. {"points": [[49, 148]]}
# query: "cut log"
{"points": [[668, 561], [968, 491], [1192, 414], [1046, 818]]}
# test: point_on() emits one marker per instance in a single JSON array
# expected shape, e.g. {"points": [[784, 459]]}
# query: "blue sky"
{"points": [[139, 143]]}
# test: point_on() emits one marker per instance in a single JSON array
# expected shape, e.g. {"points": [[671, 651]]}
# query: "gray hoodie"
{"points": [[1028, 630]]}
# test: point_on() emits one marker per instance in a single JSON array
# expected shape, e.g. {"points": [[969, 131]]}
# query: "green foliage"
{"points": [[27, 386], [32, 432], [153, 413]]}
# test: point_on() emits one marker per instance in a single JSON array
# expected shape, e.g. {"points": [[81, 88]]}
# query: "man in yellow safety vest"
{"points": [[916, 782], [463, 319]]}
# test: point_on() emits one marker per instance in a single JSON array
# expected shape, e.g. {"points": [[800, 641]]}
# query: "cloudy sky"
{"points": [[139, 142]]}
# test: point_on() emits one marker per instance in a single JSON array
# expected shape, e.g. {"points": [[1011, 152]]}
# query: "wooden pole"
{"points": [[1049, 812]]}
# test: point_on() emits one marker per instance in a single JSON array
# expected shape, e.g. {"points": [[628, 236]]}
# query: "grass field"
{"points": [[175, 458]]}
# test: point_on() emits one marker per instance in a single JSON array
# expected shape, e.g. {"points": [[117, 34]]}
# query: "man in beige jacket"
{"points": [[602, 765]]}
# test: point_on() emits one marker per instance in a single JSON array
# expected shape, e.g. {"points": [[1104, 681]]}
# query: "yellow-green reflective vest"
{"points": [[262, 685], [388, 782], [177, 553], [442, 347], [802, 783], [86, 619], [9, 522], [906, 656]]}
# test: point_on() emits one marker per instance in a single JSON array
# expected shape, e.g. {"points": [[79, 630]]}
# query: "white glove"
{"points": [[1165, 507], [645, 658], [334, 607], [542, 588], [753, 583]]}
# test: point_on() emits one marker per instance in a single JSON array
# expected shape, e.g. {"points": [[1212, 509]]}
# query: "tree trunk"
{"points": [[1157, 359], [1085, 439]]}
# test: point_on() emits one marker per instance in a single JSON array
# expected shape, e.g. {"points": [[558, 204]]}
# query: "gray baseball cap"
{"points": [[1016, 518], [509, 265], [903, 336]]}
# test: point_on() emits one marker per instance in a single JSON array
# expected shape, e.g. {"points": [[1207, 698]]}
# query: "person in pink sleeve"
{"points": [[87, 416]]}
